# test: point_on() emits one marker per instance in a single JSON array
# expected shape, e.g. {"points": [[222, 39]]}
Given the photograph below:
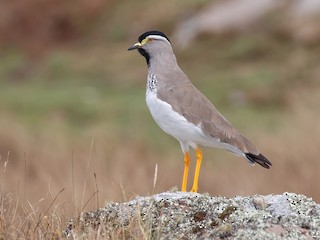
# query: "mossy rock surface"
{"points": [[177, 215]]}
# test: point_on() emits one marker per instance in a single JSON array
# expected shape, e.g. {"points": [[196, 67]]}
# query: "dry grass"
{"points": [[50, 174], [48, 179]]}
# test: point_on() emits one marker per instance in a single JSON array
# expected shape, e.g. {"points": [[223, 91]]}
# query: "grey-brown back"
{"points": [[174, 87]]}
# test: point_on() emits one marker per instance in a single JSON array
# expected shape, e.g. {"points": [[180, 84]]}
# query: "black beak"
{"points": [[132, 48], [136, 46]]}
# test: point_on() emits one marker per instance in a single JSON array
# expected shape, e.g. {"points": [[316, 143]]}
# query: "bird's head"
{"points": [[151, 44]]}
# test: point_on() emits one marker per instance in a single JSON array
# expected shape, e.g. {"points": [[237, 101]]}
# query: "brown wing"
{"points": [[196, 108]]}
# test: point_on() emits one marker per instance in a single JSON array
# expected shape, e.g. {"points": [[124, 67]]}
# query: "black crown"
{"points": [[146, 34]]}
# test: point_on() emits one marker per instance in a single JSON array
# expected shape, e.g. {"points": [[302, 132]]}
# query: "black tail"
{"points": [[260, 159]]}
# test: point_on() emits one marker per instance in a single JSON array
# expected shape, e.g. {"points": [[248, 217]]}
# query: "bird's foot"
{"points": [[194, 190]]}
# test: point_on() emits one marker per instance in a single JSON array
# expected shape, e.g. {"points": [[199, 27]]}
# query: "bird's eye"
{"points": [[151, 40]]}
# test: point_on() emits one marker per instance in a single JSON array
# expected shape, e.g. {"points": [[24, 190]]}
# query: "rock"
{"points": [[177, 215], [224, 16], [297, 19]]}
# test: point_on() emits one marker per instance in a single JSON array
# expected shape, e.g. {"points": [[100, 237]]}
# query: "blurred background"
{"points": [[72, 98]]}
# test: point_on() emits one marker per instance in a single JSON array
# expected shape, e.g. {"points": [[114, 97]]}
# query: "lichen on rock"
{"points": [[177, 215]]}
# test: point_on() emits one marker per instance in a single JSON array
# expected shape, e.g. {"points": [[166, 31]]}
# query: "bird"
{"points": [[183, 112]]}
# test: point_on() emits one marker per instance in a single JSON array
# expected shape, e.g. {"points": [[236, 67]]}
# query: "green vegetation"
{"points": [[73, 112]]}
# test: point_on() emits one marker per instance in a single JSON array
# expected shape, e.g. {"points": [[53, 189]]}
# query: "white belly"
{"points": [[173, 123], [177, 126]]}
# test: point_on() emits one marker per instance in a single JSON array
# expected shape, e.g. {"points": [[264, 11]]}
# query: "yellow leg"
{"points": [[185, 172], [196, 174]]}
